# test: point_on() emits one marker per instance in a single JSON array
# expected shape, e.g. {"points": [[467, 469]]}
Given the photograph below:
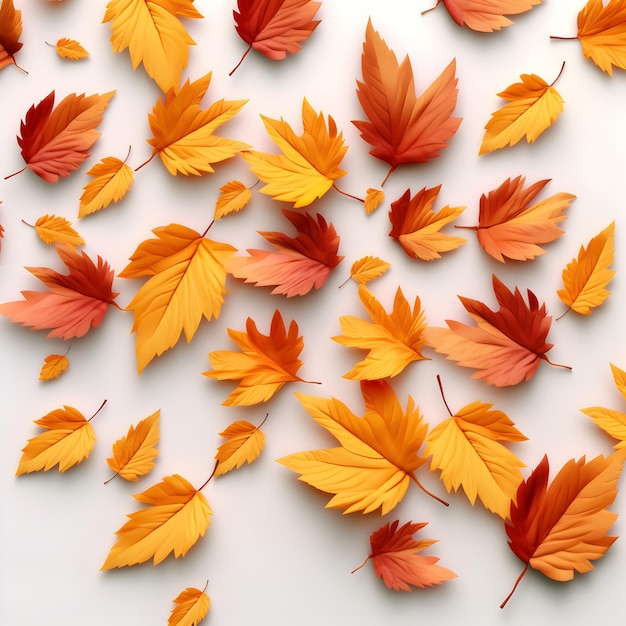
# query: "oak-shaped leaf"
{"points": [[309, 163], [559, 529], [234, 196], [263, 364], [111, 180], [401, 126], [186, 283], [298, 264], [54, 229], [417, 227], [177, 516], [244, 443], [393, 340], [10, 33], [192, 606], [74, 302], [70, 49], [396, 559], [53, 366]]}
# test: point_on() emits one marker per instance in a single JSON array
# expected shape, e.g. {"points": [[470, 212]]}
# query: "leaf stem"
{"points": [[345, 282], [98, 411], [562, 38], [108, 480], [127, 155], [348, 195], [356, 569], [245, 54], [517, 582], [15, 173], [443, 397], [428, 493], [559, 74], [431, 8], [146, 162], [208, 228], [549, 362], [466, 227], [567, 310], [392, 168], [205, 585], [206, 482], [27, 224], [19, 67]]}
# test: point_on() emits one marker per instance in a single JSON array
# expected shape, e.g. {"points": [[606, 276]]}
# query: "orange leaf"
{"points": [[368, 268], [192, 606], [55, 229], [264, 365], [112, 179], [402, 127], [275, 27], [373, 199], [560, 529], [10, 32], [244, 443], [54, 365], [74, 303], [233, 197], [394, 553], [70, 49], [298, 264], [417, 227]]}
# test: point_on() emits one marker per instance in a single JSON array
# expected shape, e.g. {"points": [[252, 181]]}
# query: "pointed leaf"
{"points": [[70, 49], [244, 443], [54, 229], [233, 197], [54, 365], [368, 268], [112, 179], [192, 606]]}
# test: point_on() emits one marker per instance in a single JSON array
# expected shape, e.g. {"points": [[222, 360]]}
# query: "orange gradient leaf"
{"points": [[10, 33], [368, 268], [111, 180], [54, 365], [233, 197], [244, 443], [192, 606], [52, 229], [70, 49], [373, 199]]}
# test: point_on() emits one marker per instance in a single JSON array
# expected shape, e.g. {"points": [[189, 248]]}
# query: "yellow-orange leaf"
{"points": [[10, 32], [585, 278], [368, 268], [112, 179], [393, 339], [177, 517], [373, 199], [233, 197], [52, 229], [134, 454], [70, 49], [192, 606], [54, 365], [244, 443]]}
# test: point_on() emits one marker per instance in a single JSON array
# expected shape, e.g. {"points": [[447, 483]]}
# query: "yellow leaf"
{"points": [[378, 454], [154, 36], [585, 278], [533, 106], [187, 282], [368, 268], [393, 339], [373, 199], [54, 365], [244, 442], [177, 517], [234, 196], [183, 132], [134, 454], [309, 163], [466, 448], [192, 606], [70, 49], [112, 179], [52, 229]]}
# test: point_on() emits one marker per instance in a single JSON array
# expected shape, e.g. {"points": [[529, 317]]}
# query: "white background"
{"points": [[273, 553]]}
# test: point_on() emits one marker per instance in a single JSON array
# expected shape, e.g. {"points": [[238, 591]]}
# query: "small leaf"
{"points": [[373, 199], [112, 179], [52, 229], [368, 268], [54, 365], [70, 49], [192, 606], [233, 197], [244, 444]]}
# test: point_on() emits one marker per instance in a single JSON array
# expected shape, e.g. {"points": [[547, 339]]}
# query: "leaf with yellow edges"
{"points": [[54, 365], [70, 49], [192, 606], [52, 229], [244, 443], [368, 268], [112, 179], [234, 196]]}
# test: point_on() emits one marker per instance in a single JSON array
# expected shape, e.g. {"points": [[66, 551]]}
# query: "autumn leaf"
{"points": [[561, 528], [510, 226], [183, 131], [154, 36], [396, 559], [74, 303], [367, 268], [373, 199], [70, 49], [54, 365], [533, 106], [264, 365], [234, 196], [298, 264], [418, 228], [52, 229], [506, 346], [10, 33], [275, 27], [378, 453], [309, 164], [134, 454], [192, 606], [244, 443], [68, 439], [54, 140], [186, 283], [485, 16], [393, 340], [403, 127], [112, 179], [585, 278], [177, 517]]}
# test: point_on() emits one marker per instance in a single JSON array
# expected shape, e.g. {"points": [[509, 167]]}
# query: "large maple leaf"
{"points": [[154, 36], [187, 282], [54, 140], [74, 303], [298, 264], [561, 528], [275, 27], [10, 32], [506, 346], [403, 127]]}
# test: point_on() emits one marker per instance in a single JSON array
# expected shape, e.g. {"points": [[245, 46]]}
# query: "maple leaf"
{"points": [[393, 339], [585, 278], [187, 282], [70, 49], [373, 199], [274, 27], [533, 106], [506, 346], [74, 303], [562, 528], [394, 553], [68, 439], [244, 443], [10, 32], [54, 365], [54, 140], [298, 264], [309, 164], [134, 454], [485, 16], [379, 452], [233, 197], [264, 365], [154, 36], [177, 517], [402, 127], [192, 606], [367, 268], [183, 131], [510, 226], [417, 227], [52, 229], [112, 179]]}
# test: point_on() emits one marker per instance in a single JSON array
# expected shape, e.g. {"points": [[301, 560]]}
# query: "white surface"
{"points": [[273, 553]]}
